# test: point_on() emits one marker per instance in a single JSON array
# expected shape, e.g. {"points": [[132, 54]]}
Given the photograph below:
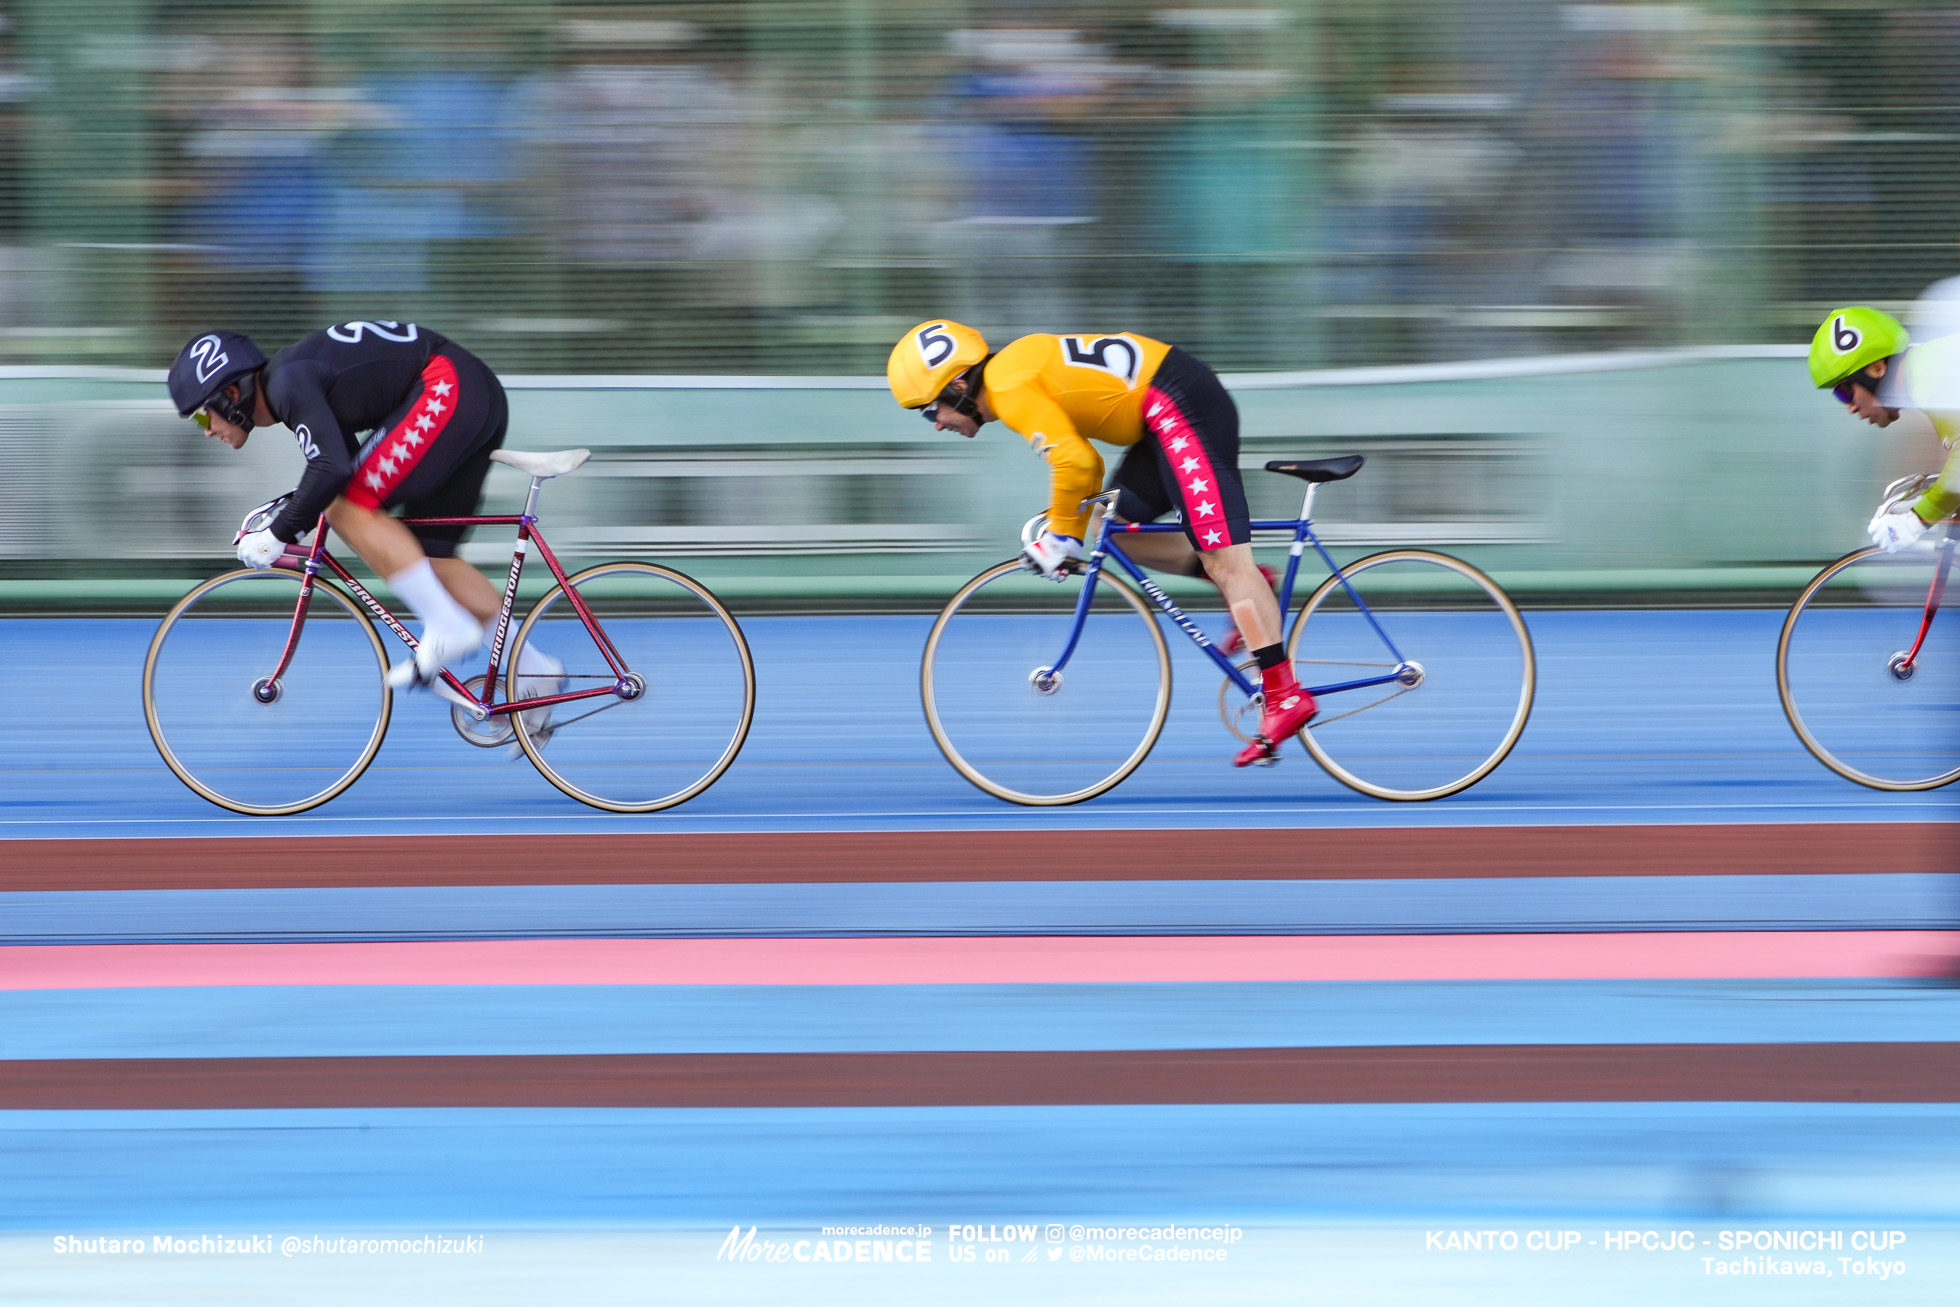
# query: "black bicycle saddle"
{"points": [[1318, 469]]}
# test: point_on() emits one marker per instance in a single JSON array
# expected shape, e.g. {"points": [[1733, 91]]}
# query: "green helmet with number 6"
{"points": [[1851, 340]]}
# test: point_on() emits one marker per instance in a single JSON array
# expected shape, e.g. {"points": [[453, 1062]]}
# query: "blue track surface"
{"points": [[1641, 717]]}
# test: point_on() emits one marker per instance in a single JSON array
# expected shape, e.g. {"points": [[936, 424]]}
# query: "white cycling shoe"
{"points": [[544, 675], [435, 652]]}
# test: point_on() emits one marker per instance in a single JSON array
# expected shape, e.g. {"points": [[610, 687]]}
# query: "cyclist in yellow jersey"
{"points": [[1864, 356], [1181, 431]]}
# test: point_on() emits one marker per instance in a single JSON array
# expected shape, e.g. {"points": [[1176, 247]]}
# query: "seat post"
{"points": [[1306, 505], [531, 500]]}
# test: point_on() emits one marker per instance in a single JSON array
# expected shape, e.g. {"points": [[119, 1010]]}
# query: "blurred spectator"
{"points": [[429, 154], [1028, 169], [1611, 137], [250, 128]]}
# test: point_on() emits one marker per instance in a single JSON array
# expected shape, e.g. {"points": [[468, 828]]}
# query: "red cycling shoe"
{"points": [[1288, 709]]}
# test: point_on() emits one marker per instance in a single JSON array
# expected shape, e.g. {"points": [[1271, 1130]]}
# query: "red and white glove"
{"points": [[1051, 554], [1893, 532], [260, 549]]}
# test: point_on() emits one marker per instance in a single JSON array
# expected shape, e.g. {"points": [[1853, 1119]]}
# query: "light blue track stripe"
{"points": [[354, 1021], [1603, 903], [706, 1169]]}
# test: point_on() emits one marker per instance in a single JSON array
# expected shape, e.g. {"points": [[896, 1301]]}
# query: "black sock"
{"points": [[1270, 657]]}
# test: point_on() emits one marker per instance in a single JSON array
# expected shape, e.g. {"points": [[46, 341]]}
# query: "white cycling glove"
{"points": [[1895, 531], [260, 549], [1052, 553]]}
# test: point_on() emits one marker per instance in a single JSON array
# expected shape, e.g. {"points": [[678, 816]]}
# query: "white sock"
{"points": [[427, 598], [533, 661]]}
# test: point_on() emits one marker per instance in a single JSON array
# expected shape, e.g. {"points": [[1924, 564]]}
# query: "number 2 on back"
{"points": [[1119, 356]]}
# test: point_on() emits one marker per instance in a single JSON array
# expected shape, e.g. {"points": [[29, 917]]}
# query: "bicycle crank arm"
{"points": [[463, 701]]}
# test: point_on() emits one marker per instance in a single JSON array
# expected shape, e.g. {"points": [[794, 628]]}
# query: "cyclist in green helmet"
{"points": [[1861, 355]]}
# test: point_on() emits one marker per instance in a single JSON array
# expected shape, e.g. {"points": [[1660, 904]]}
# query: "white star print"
{"points": [[1177, 446], [1155, 409], [425, 422], [413, 439], [1211, 537], [373, 479], [442, 388], [1199, 483], [435, 407], [1207, 508], [1188, 465], [387, 466]]}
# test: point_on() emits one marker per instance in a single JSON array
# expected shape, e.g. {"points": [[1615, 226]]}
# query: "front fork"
{"points": [[1903, 665]]}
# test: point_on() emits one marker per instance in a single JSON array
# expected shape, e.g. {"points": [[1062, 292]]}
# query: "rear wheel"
{"points": [[239, 736], [672, 719], [1462, 668]]}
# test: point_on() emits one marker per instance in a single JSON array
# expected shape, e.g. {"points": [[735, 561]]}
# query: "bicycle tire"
{"points": [[603, 754], [977, 773], [1787, 694], [197, 778], [1518, 710]]}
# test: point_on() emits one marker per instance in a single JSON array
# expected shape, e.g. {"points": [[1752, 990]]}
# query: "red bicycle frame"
{"points": [[309, 561]]}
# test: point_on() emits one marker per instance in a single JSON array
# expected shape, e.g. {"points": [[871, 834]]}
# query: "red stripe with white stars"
{"points": [[395, 455], [1196, 485]]}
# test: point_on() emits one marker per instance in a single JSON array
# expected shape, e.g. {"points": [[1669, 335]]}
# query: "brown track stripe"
{"points": [[1837, 1073], [1021, 855]]}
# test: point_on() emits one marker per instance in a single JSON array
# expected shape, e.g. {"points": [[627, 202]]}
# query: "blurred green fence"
{"points": [[1616, 476]]}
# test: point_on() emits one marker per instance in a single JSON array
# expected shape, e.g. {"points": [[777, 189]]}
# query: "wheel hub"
{"points": [[1410, 674], [267, 690], [631, 686], [1045, 680], [1901, 666]]}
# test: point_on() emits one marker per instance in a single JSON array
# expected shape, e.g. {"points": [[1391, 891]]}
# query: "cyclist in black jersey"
{"points": [[388, 415]]}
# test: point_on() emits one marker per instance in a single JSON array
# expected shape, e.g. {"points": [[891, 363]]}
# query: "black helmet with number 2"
{"points": [[206, 366]]}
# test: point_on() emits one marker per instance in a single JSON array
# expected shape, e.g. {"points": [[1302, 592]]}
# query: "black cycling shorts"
{"points": [[430, 457], [1188, 457]]}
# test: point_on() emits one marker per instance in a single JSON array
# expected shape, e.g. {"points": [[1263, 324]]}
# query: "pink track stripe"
{"points": [[1714, 955]]}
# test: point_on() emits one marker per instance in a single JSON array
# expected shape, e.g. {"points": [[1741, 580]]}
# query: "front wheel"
{"points": [[680, 687], [1014, 725], [1867, 696], [1456, 664], [240, 731]]}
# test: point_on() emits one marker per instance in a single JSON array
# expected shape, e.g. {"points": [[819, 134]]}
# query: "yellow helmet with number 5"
{"points": [[929, 356]]}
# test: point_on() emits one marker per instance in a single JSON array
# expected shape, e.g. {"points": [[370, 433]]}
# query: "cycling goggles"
{"points": [[1844, 390], [962, 404], [238, 411]]}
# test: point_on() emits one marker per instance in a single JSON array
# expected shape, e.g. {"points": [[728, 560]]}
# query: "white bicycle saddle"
{"points": [[542, 465]]}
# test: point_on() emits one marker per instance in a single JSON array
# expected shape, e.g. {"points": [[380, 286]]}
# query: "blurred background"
{"points": [[655, 218]]}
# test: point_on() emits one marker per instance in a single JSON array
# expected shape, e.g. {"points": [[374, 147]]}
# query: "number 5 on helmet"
{"points": [[928, 357]]}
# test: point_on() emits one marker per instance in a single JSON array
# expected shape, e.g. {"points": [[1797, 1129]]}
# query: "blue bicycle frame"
{"points": [[1105, 548]]}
